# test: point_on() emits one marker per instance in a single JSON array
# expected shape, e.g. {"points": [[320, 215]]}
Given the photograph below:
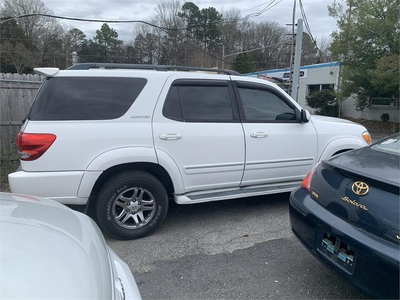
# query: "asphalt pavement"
{"points": [[234, 249]]}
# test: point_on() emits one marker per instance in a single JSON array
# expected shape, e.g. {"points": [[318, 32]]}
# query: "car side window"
{"points": [[85, 98], [199, 103], [262, 105]]}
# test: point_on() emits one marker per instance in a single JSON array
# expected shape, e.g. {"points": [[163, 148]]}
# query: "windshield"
{"points": [[390, 144]]}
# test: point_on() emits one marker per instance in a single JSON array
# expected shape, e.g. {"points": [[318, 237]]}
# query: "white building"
{"points": [[327, 76]]}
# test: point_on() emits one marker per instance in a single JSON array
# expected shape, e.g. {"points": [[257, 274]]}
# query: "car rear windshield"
{"points": [[390, 144], [85, 98]]}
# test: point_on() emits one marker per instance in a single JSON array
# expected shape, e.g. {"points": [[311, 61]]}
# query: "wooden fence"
{"points": [[16, 96]]}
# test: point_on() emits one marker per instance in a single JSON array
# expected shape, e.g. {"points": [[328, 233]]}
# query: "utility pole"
{"points": [[297, 59], [292, 51], [223, 55]]}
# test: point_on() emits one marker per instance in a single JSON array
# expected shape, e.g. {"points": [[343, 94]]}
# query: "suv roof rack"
{"points": [[87, 66]]}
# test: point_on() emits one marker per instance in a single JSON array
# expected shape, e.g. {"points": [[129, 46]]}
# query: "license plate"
{"points": [[337, 251]]}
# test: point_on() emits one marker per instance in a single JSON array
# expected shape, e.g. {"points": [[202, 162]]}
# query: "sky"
{"points": [[321, 25]]}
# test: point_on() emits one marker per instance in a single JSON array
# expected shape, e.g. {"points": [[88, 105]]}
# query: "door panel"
{"points": [[279, 148], [286, 153], [199, 128], [207, 155]]}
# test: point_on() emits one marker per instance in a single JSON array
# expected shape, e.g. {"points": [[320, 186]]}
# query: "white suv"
{"points": [[121, 140]]}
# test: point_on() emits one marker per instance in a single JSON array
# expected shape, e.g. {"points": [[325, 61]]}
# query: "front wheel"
{"points": [[131, 205]]}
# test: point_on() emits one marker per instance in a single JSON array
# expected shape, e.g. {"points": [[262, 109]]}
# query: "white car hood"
{"points": [[328, 127], [318, 118], [335, 135], [49, 251]]}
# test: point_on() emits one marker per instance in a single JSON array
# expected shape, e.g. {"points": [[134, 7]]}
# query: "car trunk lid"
{"points": [[348, 187]]}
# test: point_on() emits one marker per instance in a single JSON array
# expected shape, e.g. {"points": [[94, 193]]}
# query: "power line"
{"points": [[269, 4], [255, 7], [247, 51], [6, 19], [303, 13]]}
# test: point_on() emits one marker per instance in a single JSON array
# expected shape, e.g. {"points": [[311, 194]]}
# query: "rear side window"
{"points": [[199, 102], [85, 98]]}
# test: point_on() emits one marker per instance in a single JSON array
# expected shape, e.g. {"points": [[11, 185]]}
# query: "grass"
{"points": [[8, 163]]}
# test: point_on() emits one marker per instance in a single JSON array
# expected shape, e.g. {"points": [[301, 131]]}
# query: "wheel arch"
{"points": [[338, 146], [342, 151], [154, 169]]}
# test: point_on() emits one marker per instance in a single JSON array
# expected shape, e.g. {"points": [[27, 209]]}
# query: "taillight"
{"points": [[31, 146], [306, 183]]}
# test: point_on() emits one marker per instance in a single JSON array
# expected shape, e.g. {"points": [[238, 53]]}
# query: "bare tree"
{"points": [[270, 39], [167, 16], [18, 55], [33, 26], [274, 41], [147, 44], [230, 32], [308, 50], [51, 47], [42, 31], [73, 40], [324, 53], [248, 37], [163, 44]]}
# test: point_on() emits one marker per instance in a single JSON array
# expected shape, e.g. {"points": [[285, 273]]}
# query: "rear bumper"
{"points": [[59, 186], [373, 264]]}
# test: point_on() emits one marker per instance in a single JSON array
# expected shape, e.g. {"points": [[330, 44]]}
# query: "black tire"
{"points": [[131, 205]]}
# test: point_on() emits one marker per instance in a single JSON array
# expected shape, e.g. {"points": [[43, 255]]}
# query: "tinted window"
{"points": [[199, 103], [85, 98], [172, 107], [263, 105]]}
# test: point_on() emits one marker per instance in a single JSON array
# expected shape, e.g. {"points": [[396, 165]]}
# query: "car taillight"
{"points": [[31, 146], [306, 183]]}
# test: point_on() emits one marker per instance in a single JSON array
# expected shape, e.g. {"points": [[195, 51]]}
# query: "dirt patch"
{"points": [[378, 129]]}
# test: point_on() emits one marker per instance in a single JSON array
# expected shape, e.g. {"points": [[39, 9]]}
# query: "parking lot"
{"points": [[237, 249]]}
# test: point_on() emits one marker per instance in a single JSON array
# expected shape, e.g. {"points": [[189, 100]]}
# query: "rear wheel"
{"points": [[131, 205]]}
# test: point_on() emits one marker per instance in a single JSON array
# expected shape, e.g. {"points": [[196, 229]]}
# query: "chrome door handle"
{"points": [[258, 134], [170, 136]]}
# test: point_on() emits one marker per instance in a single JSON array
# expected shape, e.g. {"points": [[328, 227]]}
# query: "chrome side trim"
{"points": [[192, 198], [214, 166], [305, 160]]}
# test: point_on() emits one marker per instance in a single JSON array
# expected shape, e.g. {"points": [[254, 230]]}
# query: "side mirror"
{"points": [[305, 116]]}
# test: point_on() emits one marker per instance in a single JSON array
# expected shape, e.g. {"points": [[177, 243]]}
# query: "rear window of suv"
{"points": [[85, 98]]}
